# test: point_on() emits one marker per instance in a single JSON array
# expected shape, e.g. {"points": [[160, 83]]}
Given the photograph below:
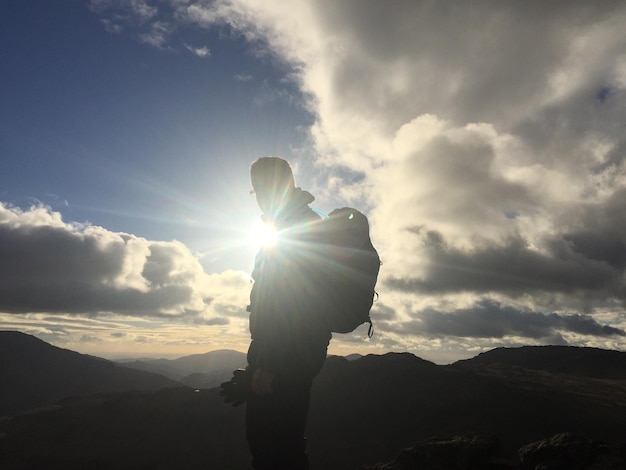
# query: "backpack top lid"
{"points": [[346, 228]]}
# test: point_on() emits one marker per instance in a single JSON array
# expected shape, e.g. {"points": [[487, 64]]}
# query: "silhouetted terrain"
{"points": [[199, 370], [379, 404], [363, 411], [582, 362], [34, 373], [563, 451]]}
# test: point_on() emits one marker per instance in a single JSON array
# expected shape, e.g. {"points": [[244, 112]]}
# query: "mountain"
{"points": [[377, 405], [198, 370], [35, 373], [363, 411], [352, 357], [582, 362]]}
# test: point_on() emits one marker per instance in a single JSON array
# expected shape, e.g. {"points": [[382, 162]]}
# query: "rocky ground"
{"points": [[565, 451]]}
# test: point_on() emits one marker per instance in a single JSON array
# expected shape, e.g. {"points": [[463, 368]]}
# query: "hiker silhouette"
{"points": [[289, 343], [317, 277]]}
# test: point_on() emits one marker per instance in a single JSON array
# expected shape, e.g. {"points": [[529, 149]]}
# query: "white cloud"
{"points": [[144, 10], [111, 27], [142, 18], [157, 35], [199, 51]]}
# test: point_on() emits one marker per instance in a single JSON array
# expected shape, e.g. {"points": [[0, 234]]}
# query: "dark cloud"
{"points": [[216, 321], [383, 312], [48, 266], [512, 268], [492, 320], [90, 339], [601, 234], [43, 254], [476, 61]]}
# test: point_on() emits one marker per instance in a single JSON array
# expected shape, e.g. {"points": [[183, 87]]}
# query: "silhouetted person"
{"points": [[288, 346]]}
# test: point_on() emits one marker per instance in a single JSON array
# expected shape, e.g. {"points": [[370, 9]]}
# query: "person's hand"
{"points": [[262, 382], [237, 389]]}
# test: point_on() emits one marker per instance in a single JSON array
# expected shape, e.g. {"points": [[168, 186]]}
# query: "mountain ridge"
{"points": [[570, 360], [35, 373], [363, 411]]}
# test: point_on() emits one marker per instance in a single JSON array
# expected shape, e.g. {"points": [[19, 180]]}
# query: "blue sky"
{"points": [[151, 141], [484, 140]]}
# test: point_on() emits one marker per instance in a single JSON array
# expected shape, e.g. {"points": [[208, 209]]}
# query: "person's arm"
{"points": [[268, 336]]}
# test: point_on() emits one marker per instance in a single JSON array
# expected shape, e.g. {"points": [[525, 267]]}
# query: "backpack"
{"points": [[348, 270]]}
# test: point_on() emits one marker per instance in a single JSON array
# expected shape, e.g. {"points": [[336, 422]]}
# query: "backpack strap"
{"points": [[321, 213]]}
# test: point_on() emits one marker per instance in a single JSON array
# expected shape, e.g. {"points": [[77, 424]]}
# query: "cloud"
{"points": [[157, 35], [199, 51], [491, 320], [241, 77], [143, 10], [52, 266], [111, 27], [485, 141], [148, 21], [512, 268]]}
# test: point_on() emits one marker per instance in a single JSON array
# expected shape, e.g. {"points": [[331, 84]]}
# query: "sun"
{"points": [[264, 235]]}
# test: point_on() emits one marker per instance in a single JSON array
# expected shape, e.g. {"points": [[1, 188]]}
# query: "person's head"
{"points": [[272, 181]]}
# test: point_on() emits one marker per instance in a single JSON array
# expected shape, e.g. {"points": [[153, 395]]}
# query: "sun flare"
{"points": [[264, 235]]}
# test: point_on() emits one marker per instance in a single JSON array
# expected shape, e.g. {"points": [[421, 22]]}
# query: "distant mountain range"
{"points": [[199, 370], [363, 410]]}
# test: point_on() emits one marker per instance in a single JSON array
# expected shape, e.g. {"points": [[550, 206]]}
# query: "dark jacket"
{"points": [[287, 335]]}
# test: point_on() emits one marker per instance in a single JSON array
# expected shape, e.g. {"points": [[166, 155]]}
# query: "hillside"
{"points": [[362, 412], [34, 373], [379, 404], [581, 362]]}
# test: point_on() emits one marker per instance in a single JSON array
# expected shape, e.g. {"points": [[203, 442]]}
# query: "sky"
{"points": [[484, 140]]}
